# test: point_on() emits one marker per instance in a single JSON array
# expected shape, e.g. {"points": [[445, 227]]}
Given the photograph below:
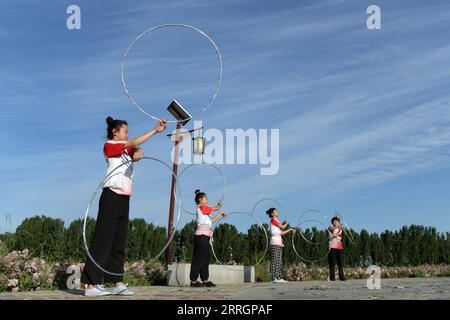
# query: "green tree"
{"points": [[74, 249], [351, 249], [446, 249], [228, 245], [387, 247], [364, 247], [47, 238], [42, 236], [413, 252], [401, 252], [429, 246], [257, 243], [185, 246], [154, 241], [136, 242], [375, 250]]}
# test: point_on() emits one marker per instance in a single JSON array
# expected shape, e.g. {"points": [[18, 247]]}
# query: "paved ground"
{"points": [[423, 288]]}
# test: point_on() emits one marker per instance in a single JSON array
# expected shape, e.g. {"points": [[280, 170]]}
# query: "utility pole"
{"points": [[168, 253]]}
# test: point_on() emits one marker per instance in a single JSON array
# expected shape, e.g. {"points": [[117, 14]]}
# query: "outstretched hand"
{"points": [[138, 154], [223, 214], [162, 125]]}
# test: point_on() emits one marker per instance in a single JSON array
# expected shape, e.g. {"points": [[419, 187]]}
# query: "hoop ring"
{"points": [[299, 255], [125, 56], [346, 228], [273, 200], [217, 169], [265, 248], [100, 186], [301, 221]]}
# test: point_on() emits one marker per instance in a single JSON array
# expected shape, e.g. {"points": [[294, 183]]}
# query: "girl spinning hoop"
{"points": [[276, 244], [108, 243], [203, 234]]}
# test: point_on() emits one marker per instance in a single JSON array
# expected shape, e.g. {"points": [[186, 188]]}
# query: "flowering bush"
{"points": [[300, 272], [61, 273], [19, 272], [141, 273]]}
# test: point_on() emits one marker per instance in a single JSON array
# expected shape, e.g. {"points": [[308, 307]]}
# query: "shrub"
{"points": [[20, 273]]}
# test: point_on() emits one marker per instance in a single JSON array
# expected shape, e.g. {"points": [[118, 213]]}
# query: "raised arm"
{"points": [[284, 224], [133, 143], [219, 216], [331, 232], [219, 205], [287, 231]]}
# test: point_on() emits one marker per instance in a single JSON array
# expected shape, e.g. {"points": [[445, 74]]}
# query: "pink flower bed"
{"points": [[300, 272], [19, 272]]}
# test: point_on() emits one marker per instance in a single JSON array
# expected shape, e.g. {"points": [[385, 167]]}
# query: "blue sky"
{"points": [[364, 116]]}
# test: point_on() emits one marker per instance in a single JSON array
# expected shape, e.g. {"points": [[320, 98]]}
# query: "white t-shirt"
{"points": [[120, 174], [275, 233], [336, 242], [204, 221]]}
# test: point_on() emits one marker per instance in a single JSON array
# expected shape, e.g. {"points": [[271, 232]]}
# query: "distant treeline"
{"points": [[48, 238]]}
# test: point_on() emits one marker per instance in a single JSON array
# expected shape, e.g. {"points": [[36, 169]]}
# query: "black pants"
{"points": [[200, 258], [336, 255], [108, 243]]}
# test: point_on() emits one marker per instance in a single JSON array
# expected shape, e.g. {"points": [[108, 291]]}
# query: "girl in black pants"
{"points": [[202, 251], [336, 249], [108, 244]]}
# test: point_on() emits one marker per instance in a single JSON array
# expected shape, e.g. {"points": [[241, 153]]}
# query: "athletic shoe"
{"points": [[209, 284], [276, 281], [122, 290], [196, 284], [283, 281], [97, 291]]}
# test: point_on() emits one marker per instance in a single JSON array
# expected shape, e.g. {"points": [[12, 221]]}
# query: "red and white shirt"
{"points": [[275, 233], [204, 221], [120, 174], [336, 242]]}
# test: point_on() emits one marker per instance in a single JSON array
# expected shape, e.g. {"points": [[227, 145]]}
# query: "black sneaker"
{"points": [[196, 284], [209, 284]]}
